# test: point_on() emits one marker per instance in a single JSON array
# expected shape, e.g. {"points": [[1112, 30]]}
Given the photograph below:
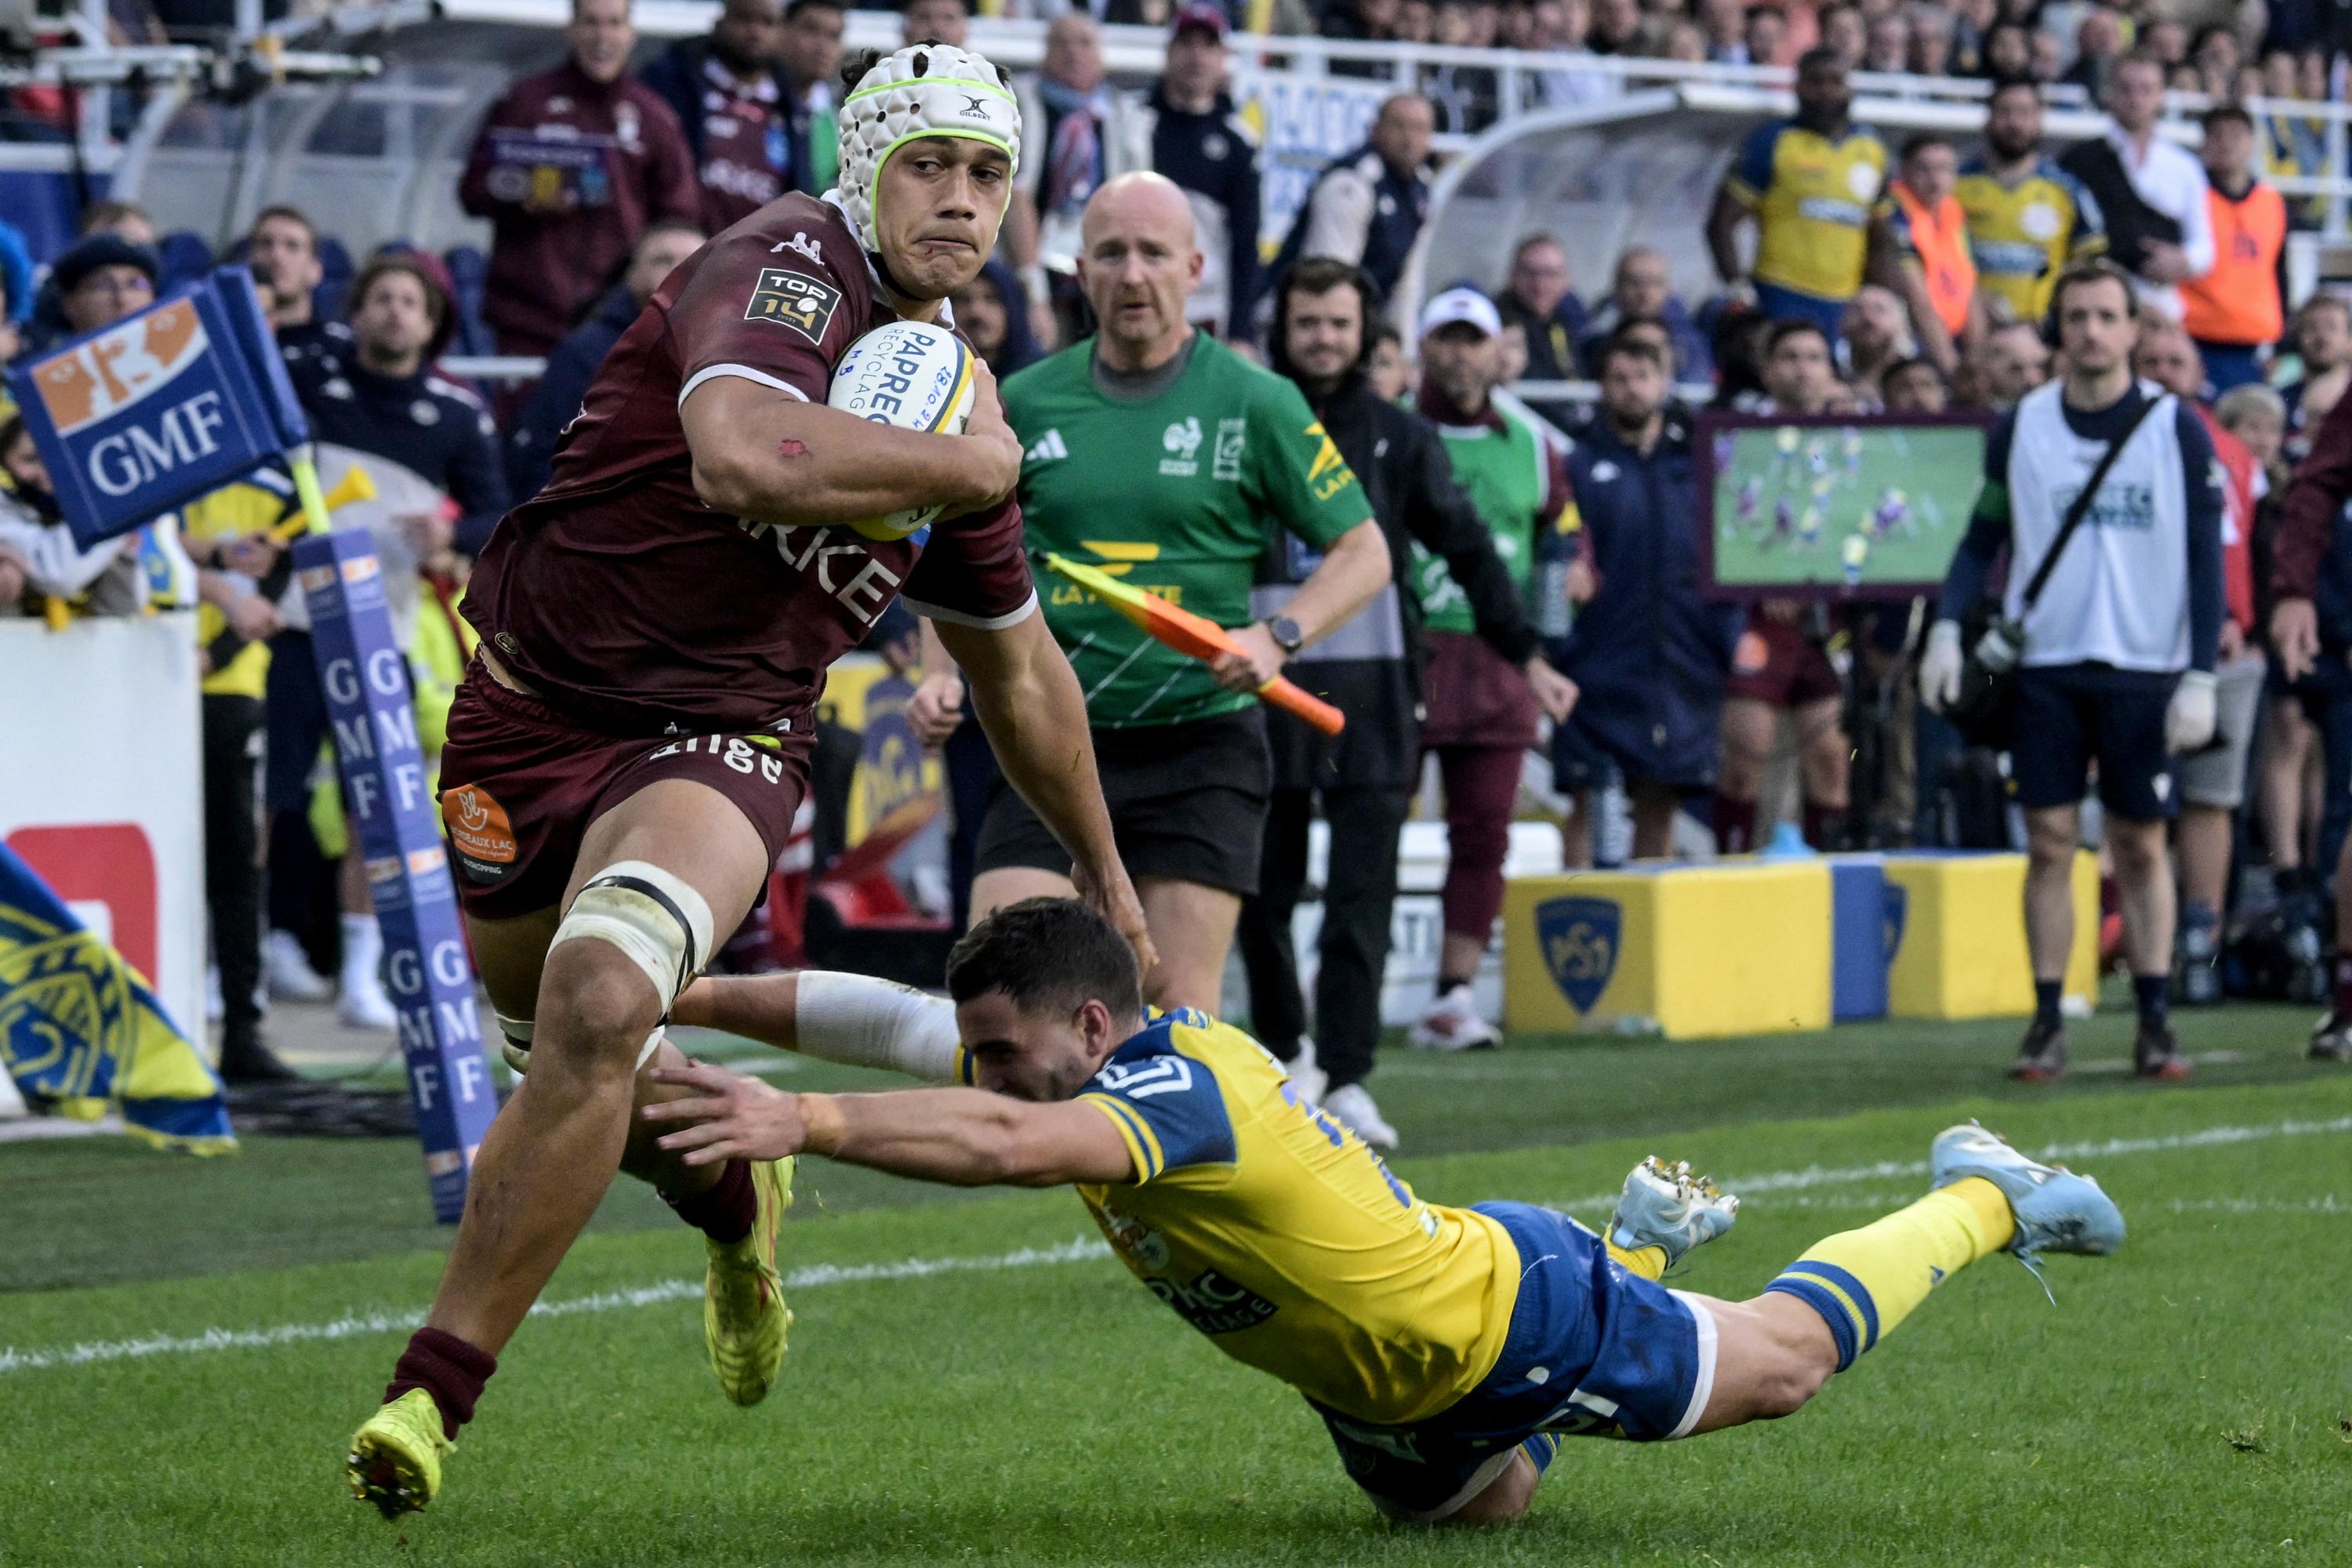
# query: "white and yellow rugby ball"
{"points": [[915, 376]]}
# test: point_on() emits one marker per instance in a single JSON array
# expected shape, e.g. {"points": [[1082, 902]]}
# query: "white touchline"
{"points": [[1079, 1250]]}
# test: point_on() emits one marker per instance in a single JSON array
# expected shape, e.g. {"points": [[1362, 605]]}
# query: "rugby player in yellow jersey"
{"points": [[1447, 1350], [2027, 217]]}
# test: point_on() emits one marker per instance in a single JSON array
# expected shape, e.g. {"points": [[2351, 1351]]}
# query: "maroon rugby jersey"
{"points": [[625, 601]]}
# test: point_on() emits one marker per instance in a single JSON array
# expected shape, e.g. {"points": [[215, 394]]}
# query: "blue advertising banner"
{"points": [[390, 805], [146, 415]]}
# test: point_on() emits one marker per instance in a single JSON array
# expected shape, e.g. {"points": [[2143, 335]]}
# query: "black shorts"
{"points": [[1187, 802], [2070, 715]]}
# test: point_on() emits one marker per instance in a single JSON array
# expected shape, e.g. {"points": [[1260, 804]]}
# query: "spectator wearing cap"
{"points": [[2150, 189], [1642, 289], [1813, 185], [1079, 133], [431, 451], [530, 445], [570, 166], [1198, 141], [1481, 711], [1539, 299], [1923, 251], [1367, 206], [1647, 654], [102, 279], [749, 115], [2236, 311]]}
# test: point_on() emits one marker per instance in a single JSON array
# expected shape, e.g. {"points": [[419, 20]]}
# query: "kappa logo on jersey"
{"points": [[1180, 441], [1049, 448], [793, 299], [1141, 1080], [1329, 473], [801, 243]]}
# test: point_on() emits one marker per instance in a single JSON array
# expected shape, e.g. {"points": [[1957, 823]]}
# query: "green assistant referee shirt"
{"points": [[1173, 490]]}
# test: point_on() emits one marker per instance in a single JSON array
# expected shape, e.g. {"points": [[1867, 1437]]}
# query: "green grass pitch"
{"points": [[973, 1380], [1823, 506]]}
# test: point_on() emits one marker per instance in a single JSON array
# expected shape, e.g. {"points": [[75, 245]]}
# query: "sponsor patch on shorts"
{"points": [[794, 300], [480, 833]]}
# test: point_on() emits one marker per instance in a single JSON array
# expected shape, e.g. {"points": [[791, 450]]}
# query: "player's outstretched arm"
{"points": [[854, 1019], [964, 1137], [769, 457], [1028, 702]]}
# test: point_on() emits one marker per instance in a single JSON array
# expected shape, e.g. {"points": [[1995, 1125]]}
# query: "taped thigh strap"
{"points": [[653, 916]]}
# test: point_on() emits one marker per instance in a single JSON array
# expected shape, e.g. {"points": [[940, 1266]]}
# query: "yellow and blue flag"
{"points": [[82, 1034]]}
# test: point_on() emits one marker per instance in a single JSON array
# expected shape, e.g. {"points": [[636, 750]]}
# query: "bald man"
{"points": [[1158, 454]]}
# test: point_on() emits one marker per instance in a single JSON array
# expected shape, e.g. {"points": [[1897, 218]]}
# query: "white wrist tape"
{"points": [[652, 915], [869, 1023]]}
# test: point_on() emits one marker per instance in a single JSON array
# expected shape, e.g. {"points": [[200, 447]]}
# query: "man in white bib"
{"points": [[2118, 665]]}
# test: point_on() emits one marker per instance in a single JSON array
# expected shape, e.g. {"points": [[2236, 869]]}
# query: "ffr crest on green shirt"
{"points": [[1174, 494]]}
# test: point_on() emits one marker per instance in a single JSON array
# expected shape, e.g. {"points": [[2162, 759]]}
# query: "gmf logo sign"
{"points": [[119, 368], [1580, 940]]}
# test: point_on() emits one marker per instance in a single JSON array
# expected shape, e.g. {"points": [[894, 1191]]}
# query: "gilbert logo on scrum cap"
{"points": [[794, 300]]}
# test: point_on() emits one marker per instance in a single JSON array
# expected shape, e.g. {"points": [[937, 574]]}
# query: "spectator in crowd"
{"points": [[2118, 661], [1914, 387], [1724, 24], [989, 311], [1463, 96], [2098, 48], [1813, 185], [748, 117], [1617, 27], [811, 51], [1925, 252], [1366, 21], [1886, 43], [1873, 336], [2016, 360], [15, 284], [1932, 41], [2323, 337], [124, 220], [530, 445], [431, 450], [1200, 141], [1370, 669], [2166, 39], [2217, 56], [2007, 54], [2237, 310], [1562, 26], [2149, 189], [102, 279], [1764, 34], [1780, 664], [570, 166], [1685, 41], [1389, 372], [1482, 709], [1367, 206], [1844, 32], [1642, 289], [282, 249], [1647, 654], [2212, 783], [40, 564], [2047, 56], [935, 21], [1084, 132], [1538, 298], [2026, 217]]}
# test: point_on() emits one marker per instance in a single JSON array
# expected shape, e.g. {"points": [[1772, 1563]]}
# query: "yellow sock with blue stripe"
{"points": [[1649, 1262], [1863, 1282]]}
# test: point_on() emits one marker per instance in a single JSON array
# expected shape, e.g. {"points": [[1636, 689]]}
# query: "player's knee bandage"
{"points": [[651, 915], [856, 1019], [514, 1042]]}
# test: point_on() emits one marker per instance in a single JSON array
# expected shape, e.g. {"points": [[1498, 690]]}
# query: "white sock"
{"points": [[362, 950]]}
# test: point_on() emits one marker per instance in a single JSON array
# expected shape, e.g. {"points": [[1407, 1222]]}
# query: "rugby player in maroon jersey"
{"points": [[629, 749]]}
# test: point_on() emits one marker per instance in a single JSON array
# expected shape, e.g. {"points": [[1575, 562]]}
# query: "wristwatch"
{"points": [[1286, 634]]}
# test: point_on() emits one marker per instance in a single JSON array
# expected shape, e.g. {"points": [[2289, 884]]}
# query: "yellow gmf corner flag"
{"points": [[81, 1033]]}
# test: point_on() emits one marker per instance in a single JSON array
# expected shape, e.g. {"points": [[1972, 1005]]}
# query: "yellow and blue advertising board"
{"points": [[1959, 949]]}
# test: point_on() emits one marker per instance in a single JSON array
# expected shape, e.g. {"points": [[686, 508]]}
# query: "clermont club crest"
{"points": [[1580, 941]]}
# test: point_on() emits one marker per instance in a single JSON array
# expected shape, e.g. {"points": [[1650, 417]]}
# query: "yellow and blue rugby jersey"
{"points": [[1814, 200], [1274, 1231], [2022, 236]]}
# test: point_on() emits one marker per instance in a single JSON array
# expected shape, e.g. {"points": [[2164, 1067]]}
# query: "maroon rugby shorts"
{"points": [[1777, 665], [520, 784], [1472, 696]]}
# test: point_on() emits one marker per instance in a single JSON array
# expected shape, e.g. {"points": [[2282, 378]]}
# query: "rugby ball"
{"points": [[915, 376]]}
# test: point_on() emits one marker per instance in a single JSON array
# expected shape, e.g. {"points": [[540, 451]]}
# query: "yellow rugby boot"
{"points": [[743, 1312], [395, 1459]]}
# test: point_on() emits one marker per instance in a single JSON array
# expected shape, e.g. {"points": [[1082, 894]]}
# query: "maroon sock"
{"points": [[725, 1210], [2344, 984], [1735, 826], [449, 1369], [1823, 825]]}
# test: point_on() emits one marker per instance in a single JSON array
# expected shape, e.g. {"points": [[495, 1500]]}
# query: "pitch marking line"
{"points": [[1079, 1250]]}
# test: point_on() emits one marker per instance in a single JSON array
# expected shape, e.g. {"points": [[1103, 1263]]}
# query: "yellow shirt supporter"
{"points": [[1814, 200], [1276, 1232], [259, 501], [2022, 236]]}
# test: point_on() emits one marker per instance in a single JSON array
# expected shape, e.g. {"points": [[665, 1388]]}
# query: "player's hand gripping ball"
{"points": [[917, 377]]}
